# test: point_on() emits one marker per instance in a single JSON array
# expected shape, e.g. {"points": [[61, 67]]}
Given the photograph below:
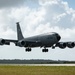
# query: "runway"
{"points": [[38, 64], [49, 64]]}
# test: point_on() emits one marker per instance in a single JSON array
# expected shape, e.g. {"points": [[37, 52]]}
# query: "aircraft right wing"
{"points": [[63, 45]]}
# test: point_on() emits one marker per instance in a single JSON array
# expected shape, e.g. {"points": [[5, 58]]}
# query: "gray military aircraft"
{"points": [[44, 40]]}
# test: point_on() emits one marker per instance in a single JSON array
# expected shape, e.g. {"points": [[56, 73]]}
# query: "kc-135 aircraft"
{"points": [[44, 40]]}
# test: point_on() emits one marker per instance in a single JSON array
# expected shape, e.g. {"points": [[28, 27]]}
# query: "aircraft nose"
{"points": [[58, 37]]}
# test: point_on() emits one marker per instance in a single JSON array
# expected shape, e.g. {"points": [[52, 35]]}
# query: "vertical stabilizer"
{"points": [[19, 32]]}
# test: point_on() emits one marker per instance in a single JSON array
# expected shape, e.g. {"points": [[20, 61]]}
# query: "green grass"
{"points": [[37, 70]]}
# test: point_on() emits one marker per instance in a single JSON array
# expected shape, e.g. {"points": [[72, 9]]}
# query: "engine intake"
{"points": [[70, 44], [20, 43], [2, 41], [61, 45]]}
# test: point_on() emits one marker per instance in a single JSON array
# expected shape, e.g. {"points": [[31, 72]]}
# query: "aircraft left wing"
{"points": [[24, 43], [7, 41], [20, 43]]}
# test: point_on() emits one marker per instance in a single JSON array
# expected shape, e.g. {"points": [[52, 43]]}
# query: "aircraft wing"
{"points": [[26, 43], [20, 43], [63, 45], [7, 41]]}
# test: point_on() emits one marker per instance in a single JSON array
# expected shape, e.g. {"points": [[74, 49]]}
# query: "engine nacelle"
{"points": [[61, 45], [2, 41], [70, 44], [7, 43], [20, 43]]}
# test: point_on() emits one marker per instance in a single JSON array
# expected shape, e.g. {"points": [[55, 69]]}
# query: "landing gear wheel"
{"points": [[44, 50], [28, 49], [53, 47]]}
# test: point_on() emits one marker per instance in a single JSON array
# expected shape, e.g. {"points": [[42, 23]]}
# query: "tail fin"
{"points": [[19, 32]]}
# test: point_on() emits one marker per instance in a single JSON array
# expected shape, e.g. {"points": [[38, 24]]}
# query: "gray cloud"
{"points": [[58, 13], [11, 3]]}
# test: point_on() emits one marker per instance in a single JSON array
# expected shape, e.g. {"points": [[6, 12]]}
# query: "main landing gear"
{"points": [[28, 49], [45, 50]]}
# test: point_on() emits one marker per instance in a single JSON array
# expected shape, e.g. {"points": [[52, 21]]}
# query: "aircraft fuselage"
{"points": [[43, 40]]}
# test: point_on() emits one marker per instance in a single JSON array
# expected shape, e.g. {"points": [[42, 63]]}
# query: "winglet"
{"points": [[19, 32]]}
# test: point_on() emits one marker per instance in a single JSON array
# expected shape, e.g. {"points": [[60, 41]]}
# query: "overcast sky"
{"points": [[36, 17]]}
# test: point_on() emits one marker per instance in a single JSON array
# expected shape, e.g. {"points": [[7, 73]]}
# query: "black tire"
{"points": [[28, 49], [44, 50]]}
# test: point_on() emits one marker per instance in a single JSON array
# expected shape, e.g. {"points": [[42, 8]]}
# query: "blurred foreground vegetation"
{"points": [[37, 70]]}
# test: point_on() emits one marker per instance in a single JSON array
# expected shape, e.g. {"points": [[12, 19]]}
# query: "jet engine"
{"points": [[20, 43], [70, 44], [2, 41], [61, 45]]}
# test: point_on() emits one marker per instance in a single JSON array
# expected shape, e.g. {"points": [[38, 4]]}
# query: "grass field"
{"points": [[37, 70]]}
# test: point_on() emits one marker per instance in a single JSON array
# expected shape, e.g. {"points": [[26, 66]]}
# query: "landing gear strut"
{"points": [[44, 50], [28, 49]]}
